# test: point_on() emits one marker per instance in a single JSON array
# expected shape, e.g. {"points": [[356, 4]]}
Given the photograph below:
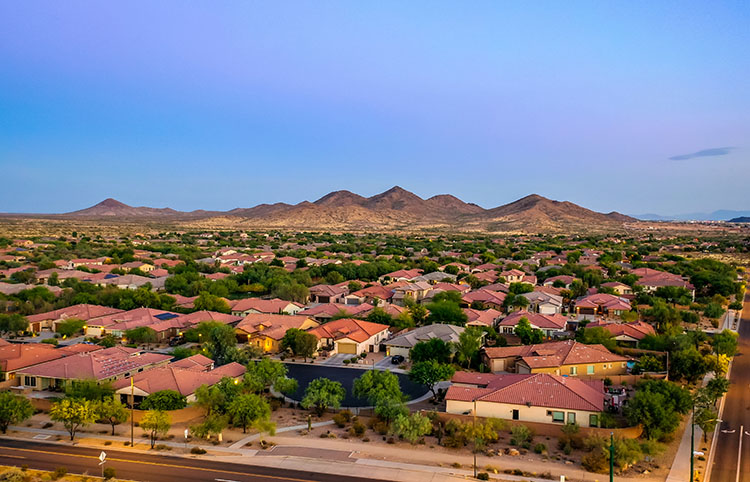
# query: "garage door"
{"points": [[349, 348]]}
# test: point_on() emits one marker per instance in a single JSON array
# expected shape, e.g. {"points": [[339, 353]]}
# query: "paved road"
{"points": [[736, 416], [150, 468]]}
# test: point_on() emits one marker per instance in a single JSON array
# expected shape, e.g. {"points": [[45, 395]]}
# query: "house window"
{"points": [[574, 370], [571, 417], [593, 420], [558, 417], [30, 381], [515, 415], [589, 369], [623, 365]]}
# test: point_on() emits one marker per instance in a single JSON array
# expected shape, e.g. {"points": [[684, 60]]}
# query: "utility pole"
{"points": [[475, 438], [132, 414], [611, 456]]}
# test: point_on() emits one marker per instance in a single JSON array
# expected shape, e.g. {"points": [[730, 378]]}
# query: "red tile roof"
{"points": [[556, 353], [549, 322], [356, 330]]}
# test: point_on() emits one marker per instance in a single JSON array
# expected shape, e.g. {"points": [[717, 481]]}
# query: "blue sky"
{"points": [[628, 106]]}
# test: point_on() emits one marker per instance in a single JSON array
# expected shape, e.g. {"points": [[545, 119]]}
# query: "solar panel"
{"points": [[166, 316]]}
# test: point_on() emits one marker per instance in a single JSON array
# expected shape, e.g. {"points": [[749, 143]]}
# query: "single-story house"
{"points": [[601, 304], [85, 312], [537, 397], [482, 317], [544, 303], [549, 324], [404, 342], [256, 305], [626, 333], [328, 293], [347, 335]]}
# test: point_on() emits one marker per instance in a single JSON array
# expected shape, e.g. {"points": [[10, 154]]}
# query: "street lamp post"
{"points": [[692, 444], [475, 438], [611, 456], [132, 414]]}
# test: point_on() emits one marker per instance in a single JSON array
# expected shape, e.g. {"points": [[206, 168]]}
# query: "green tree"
{"points": [[13, 323], [657, 406], [143, 335], [446, 311], [418, 314], [432, 349], [300, 342], [70, 327], [527, 334], [713, 310], [14, 409], [725, 343], [155, 422], [429, 373], [687, 364], [411, 427], [323, 393], [247, 410], [596, 336], [221, 344], [73, 413], [112, 411], [376, 385], [468, 345], [264, 374], [93, 390], [208, 302], [164, 401]]}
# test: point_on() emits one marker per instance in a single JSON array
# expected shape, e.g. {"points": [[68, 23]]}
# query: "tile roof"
{"points": [[556, 353], [556, 321], [357, 330], [182, 380], [423, 333], [272, 326], [83, 312], [275, 305], [17, 356], [537, 389]]}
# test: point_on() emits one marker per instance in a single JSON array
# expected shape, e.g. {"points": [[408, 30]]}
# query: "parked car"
{"points": [[177, 340], [397, 359]]}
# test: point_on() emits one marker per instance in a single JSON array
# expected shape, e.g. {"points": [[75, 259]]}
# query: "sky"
{"points": [[634, 106]]}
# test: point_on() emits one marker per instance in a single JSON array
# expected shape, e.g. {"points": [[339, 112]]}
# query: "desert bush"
{"points": [[197, 451]]}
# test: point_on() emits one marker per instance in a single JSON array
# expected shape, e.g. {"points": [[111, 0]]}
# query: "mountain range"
{"points": [[719, 215], [395, 208]]}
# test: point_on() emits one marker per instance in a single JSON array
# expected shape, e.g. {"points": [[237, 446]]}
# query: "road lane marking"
{"points": [[160, 464], [11, 456], [225, 480]]}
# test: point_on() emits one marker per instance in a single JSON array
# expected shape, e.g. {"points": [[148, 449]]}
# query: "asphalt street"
{"points": [[149, 468]]}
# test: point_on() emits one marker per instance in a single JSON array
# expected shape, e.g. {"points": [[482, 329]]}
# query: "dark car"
{"points": [[397, 359], [177, 340]]}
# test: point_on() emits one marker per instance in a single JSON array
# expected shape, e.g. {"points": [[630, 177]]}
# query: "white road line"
{"points": [[225, 480], [739, 453]]}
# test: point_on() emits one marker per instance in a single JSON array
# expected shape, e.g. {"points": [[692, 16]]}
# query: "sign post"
{"points": [[102, 461]]}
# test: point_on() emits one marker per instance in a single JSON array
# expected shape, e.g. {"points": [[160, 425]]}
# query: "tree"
{"points": [[446, 311], [725, 343], [247, 410], [264, 374], [388, 409], [13, 323], [429, 373], [418, 314], [112, 411], [164, 401], [13, 409], [716, 388], [73, 413], [300, 342], [647, 363], [209, 302], [322, 393], [70, 327], [657, 405], [713, 310], [155, 422], [141, 335], [93, 390], [687, 364], [376, 385], [221, 343], [674, 294], [432, 349], [468, 345], [412, 427], [527, 334], [597, 336]]}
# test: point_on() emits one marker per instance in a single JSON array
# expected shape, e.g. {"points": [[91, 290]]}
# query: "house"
{"points": [[600, 304], [266, 330], [435, 277], [416, 291], [371, 294], [561, 281], [328, 293], [487, 298], [621, 289], [568, 358], [537, 397], [401, 275], [403, 343], [84, 311], [177, 377], [256, 305], [347, 335], [15, 357], [482, 318], [108, 364], [133, 281], [549, 324], [652, 279], [326, 312], [544, 302], [513, 276], [117, 323], [626, 333]]}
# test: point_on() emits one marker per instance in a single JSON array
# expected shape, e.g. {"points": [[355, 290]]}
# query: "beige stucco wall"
{"points": [[526, 414]]}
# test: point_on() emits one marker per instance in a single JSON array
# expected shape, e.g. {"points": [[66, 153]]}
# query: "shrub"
{"points": [[358, 428], [540, 448], [197, 451], [108, 442], [13, 475], [483, 476], [346, 362], [59, 472], [109, 473], [51, 341], [521, 435], [340, 420]]}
